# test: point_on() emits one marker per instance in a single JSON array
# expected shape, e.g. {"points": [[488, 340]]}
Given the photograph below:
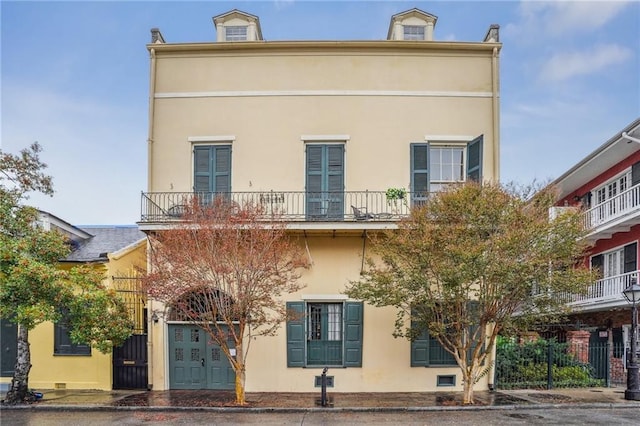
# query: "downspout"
{"points": [[496, 117], [152, 95], [496, 175], [150, 322]]}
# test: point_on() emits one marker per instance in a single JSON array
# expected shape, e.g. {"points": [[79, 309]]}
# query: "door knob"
{"points": [[202, 362]]}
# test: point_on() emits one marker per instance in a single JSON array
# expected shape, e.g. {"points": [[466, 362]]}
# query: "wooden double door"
{"points": [[195, 362]]}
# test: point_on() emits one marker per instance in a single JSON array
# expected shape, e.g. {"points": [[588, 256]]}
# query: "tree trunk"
{"points": [[240, 379], [240, 374], [19, 391], [467, 393], [469, 379]]}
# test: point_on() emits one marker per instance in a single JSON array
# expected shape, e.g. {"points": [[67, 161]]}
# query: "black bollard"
{"points": [[323, 382]]}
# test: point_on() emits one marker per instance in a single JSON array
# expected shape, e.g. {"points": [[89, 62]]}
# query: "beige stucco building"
{"points": [[319, 131]]}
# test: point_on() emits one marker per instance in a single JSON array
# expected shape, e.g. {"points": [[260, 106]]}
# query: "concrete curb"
{"points": [[519, 407]]}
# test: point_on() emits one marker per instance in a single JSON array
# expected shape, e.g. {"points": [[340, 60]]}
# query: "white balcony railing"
{"points": [[604, 290], [612, 209]]}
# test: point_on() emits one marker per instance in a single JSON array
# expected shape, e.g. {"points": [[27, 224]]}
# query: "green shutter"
{"points": [[313, 182], [353, 325], [420, 350], [419, 171], [335, 181], [212, 169], [295, 335], [426, 351], [474, 159], [201, 169], [222, 171], [325, 181]]}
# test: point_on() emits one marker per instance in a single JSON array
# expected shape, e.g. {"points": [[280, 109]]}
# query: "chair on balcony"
{"points": [[177, 210], [360, 213]]}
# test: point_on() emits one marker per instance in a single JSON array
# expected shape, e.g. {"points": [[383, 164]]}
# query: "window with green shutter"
{"points": [[435, 165], [212, 170], [324, 181], [62, 344], [426, 351], [324, 334]]}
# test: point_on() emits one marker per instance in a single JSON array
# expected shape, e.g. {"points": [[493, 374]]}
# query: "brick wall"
{"points": [[578, 341]]}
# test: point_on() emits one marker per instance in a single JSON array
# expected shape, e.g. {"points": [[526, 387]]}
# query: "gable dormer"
{"points": [[413, 24], [237, 26]]}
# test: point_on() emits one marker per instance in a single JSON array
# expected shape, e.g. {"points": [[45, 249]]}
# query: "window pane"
{"points": [[447, 166], [413, 32], [236, 33], [335, 319], [434, 164]]}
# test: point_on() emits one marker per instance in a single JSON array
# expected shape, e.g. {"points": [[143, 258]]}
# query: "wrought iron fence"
{"points": [[545, 364], [129, 288]]}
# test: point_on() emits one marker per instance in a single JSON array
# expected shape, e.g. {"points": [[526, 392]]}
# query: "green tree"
{"points": [[33, 288], [475, 261]]}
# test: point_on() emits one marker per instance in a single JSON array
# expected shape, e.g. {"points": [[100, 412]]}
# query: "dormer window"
{"points": [[413, 24], [235, 33], [237, 26], [413, 32]]}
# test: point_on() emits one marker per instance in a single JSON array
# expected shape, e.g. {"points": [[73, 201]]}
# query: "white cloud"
{"points": [[540, 19], [282, 4], [565, 65]]}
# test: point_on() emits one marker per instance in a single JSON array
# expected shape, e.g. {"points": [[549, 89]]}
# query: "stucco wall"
{"points": [[383, 100], [385, 362]]}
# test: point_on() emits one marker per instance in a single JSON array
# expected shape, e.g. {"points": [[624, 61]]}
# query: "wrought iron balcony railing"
{"points": [[287, 205], [614, 208]]}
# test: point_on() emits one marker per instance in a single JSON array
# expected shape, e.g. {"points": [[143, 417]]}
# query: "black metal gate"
{"points": [[130, 361], [130, 364]]}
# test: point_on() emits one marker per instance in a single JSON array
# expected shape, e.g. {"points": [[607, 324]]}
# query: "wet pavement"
{"points": [[367, 401]]}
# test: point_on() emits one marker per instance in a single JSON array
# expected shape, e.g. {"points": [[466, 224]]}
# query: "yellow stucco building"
{"points": [[118, 252], [320, 131]]}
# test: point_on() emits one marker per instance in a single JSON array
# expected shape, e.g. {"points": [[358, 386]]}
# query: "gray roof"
{"points": [[104, 240]]}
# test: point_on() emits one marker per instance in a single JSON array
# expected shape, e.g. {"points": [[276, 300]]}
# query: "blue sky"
{"points": [[74, 77]]}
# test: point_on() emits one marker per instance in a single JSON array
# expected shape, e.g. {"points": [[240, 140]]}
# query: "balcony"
{"points": [[617, 214], [605, 293], [304, 210]]}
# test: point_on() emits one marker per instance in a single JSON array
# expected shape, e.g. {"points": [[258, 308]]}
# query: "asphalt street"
{"points": [[547, 416]]}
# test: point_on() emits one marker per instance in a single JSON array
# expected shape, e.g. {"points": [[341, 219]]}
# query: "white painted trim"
{"points": [[449, 138], [258, 93], [325, 138], [165, 361], [216, 138], [323, 297]]}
